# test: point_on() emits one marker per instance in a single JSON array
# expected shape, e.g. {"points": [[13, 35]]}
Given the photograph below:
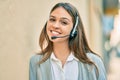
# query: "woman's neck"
{"points": [[62, 52]]}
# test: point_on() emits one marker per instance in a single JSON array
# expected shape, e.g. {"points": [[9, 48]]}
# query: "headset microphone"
{"points": [[54, 37]]}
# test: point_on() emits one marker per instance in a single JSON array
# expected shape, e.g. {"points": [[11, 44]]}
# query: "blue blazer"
{"points": [[86, 71]]}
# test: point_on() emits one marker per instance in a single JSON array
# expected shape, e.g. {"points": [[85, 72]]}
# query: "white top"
{"points": [[68, 72]]}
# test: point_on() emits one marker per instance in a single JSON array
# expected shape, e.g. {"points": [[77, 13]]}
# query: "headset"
{"points": [[73, 32]]}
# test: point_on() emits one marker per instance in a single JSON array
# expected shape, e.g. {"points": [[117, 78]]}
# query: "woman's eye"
{"points": [[51, 19], [64, 22]]}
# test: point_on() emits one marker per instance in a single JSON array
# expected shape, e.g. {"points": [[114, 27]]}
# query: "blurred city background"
{"points": [[22, 20]]}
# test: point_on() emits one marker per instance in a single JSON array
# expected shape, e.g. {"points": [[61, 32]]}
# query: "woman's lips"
{"points": [[55, 32]]}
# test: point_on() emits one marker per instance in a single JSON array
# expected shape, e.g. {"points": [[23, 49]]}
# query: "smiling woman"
{"points": [[67, 55]]}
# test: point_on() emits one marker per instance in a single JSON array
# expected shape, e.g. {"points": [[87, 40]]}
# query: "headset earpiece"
{"points": [[74, 31]]}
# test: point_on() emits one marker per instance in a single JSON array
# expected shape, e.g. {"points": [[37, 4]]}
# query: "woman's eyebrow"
{"points": [[52, 16], [63, 18]]}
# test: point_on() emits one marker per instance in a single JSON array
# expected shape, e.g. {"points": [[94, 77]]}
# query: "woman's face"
{"points": [[60, 23]]}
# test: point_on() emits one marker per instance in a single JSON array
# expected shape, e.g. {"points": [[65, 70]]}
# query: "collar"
{"points": [[70, 57]]}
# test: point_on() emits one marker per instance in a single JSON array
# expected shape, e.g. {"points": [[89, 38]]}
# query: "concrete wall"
{"points": [[20, 25], [96, 26]]}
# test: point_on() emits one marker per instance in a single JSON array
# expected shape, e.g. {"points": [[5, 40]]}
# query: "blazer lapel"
{"points": [[85, 73], [46, 70]]}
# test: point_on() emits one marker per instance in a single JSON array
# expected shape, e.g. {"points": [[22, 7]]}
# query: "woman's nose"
{"points": [[56, 24]]}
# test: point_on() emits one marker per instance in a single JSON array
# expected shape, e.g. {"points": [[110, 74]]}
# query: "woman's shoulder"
{"points": [[35, 58], [98, 61], [94, 57]]}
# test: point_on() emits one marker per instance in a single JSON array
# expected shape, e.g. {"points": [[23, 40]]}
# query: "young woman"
{"points": [[65, 54]]}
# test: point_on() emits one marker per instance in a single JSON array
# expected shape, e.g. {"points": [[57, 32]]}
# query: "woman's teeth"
{"points": [[54, 32]]}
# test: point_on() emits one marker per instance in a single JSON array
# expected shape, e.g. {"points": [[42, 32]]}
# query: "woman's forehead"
{"points": [[61, 12]]}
